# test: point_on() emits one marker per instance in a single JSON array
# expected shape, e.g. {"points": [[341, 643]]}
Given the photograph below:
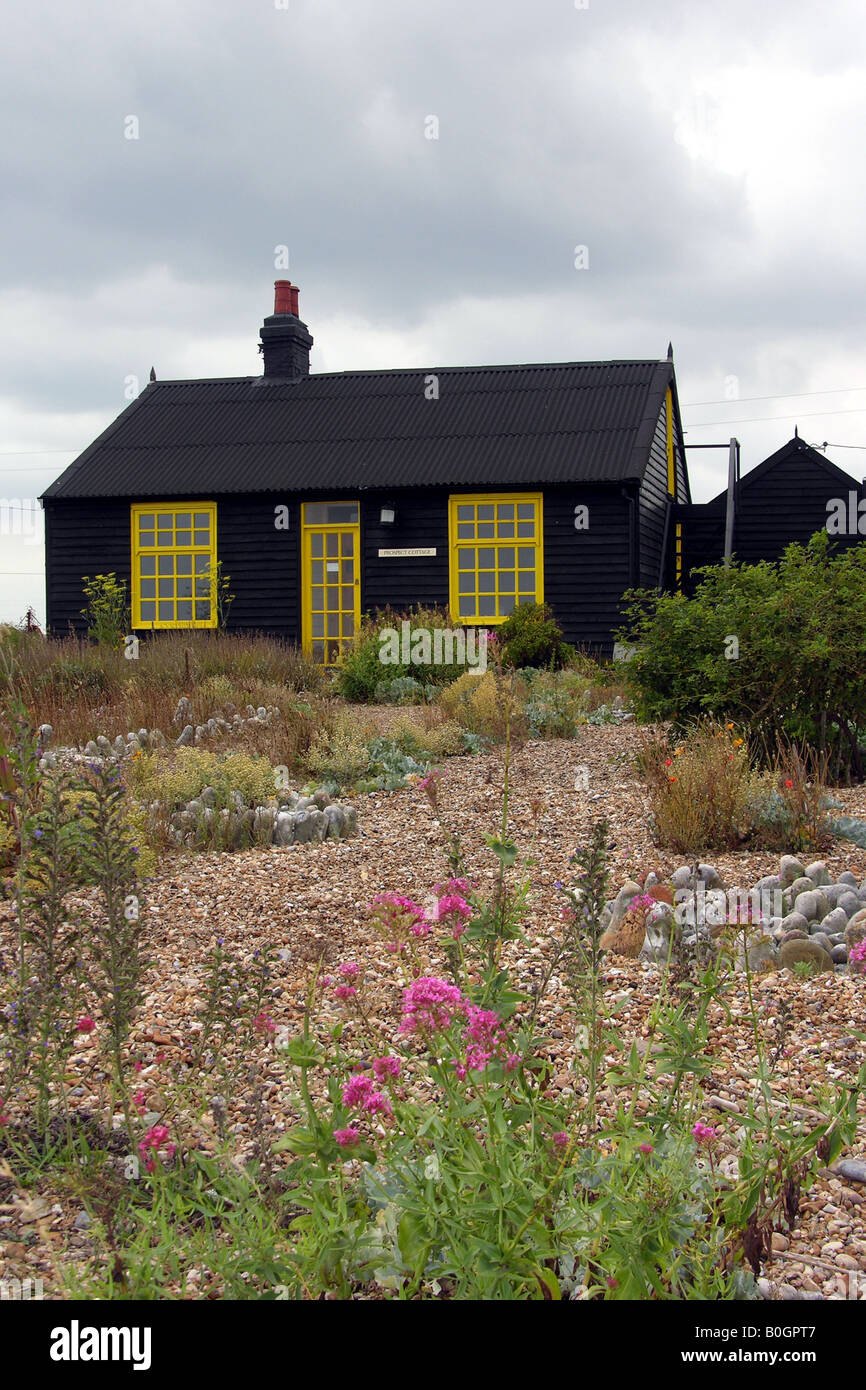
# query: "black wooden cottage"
{"points": [[327, 495], [787, 498]]}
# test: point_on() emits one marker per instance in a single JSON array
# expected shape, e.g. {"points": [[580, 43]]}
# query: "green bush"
{"points": [[362, 675], [776, 648], [530, 636]]}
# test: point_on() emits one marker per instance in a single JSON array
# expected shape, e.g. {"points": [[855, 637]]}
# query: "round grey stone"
{"points": [[817, 872], [840, 954], [682, 877], [835, 921], [850, 903], [790, 869], [795, 921], [847, 877], [810, 904]]}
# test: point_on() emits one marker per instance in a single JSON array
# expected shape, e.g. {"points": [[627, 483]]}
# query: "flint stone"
{"points": [[321, 798], [856, 928], [119, 746], [790, 869], [682, 877], [284, 827], [847, 877], [834, 891], [795, 934], [840, 954], [351, 818], [823, 940], [264, 819], [103, 745], [629, 890], [209, 796], [850, 904], [304, 826], [769, 882], [810, 905], [157, 738], [761, 951], [795, 921], [809, 950], [663, 935], [336, 818], [46, 733], [186, 738], [709, 875], [200, 732], [851, 1169], [817, 872], [835, 921]]}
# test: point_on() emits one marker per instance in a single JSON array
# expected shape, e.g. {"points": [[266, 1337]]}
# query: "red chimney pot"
{"points": [[283, 303], [294, 293]]}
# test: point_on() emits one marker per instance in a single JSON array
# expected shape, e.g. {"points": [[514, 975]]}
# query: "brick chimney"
{"points": [[285, 341]]}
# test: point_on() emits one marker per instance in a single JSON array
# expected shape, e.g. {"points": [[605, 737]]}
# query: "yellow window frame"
{"points": [[139, 551], [308, 530], [456, 544]]}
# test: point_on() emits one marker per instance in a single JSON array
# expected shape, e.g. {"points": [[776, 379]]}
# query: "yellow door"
{"points": [[331, 578]]}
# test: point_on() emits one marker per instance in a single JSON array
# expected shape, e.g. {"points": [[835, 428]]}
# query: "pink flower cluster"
{"points": [[705, 1134], [430, 1006], [360, 1095], [397, 917], [154, 1139], [857, 952], [347, 1138]]}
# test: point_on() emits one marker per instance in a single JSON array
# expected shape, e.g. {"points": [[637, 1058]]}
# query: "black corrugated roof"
{"points": [[491, 426]]}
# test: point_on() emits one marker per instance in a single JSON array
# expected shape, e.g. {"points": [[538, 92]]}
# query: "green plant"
{"points": [[107, 611], [530, 636]]}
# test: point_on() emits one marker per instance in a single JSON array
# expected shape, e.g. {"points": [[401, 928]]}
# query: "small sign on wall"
{"points": [[419, 551]]}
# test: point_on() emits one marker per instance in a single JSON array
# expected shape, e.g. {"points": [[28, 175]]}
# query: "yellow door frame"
{"points": [[308, 531]]}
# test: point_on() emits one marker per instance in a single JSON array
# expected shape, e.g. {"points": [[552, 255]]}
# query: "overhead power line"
{"points": [[782, 396]]}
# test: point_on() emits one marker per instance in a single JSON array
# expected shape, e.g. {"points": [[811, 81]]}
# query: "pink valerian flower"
{"points": [[345, 992], [857, 953], [349, 970], [138, 1100], [347, 1138], [430, 1006], [452, 885], [377, 1104], [645, 1148], [560, 1140], [85, 1025], [484, 1027], [357, 1090], [705, 1134], [641, 902], [512, 1061], [264, 1024], [383, 1067], [397, 917]]}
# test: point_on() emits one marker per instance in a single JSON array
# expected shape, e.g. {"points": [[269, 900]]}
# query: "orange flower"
{"points": [[729, 726], [672, 779], [677, 752], [738, 742]]}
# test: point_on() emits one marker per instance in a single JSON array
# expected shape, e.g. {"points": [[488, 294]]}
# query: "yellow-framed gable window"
{"points": [[497, 559], [174, 564]]}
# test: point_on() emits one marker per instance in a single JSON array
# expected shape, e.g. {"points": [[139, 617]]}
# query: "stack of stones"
{"points": [[296, 820], [799, 914]]}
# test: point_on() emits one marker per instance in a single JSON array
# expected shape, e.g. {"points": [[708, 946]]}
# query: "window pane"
{"points": [[166, 588], [348, 571], [183, 564], [486, 531], [317, 574], [345, 513], [506, 581], [202, 611], [347, 544], [318, 600], [163, 538], [202, 538], [466, 531], [319, 652], [146, 538], [466, 559], [486, 582], [348, 598], [486, 560], [164, 521], [145, 521], [202, 587], [166, 612], [505, 511], [466, 513], [525, 528], [506, 530], [525, 510], [183, 537], [317, 545], [184, 588], [148, 564], [485, 512], [184, 612], [467, 607], [333, 568], [314, 514], [506, 605], [526, 583], [318, 624], [332, 544], [466, 582], [184, 519], [526, 558], [333, 652], [332, 592], [202, 519], [148, 612], [166, 564], [148, 588], [487, 607], [348, 624], [506, 556], [333, 624], [201, 563]]}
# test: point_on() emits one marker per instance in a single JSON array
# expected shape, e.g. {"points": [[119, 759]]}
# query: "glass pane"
{"points": [[526, 598], [148, 588], [163, 538], [466, 582], [333, 624], [506, 557], [466, 607], [526, 582], [348, 571], [466, 559], [148, 564], [202, 587], [466, 513], [505, 511], [148, 612], [332, 543], [348, 624], [485, 512], [202, 537], [486, 530], [317, 545], [333, 652], [332, 593], [486, 560], [333, 568], [319, 651], [487, 607], [526, 558], [318, 624], [184, 588], [202, 564], [506, 530], [164, 521], [525, 510], [345, 513], [506, 581], [347, 544], [184, 519], [166, 564], [166, 588], [318, 600], [146, 538], [314, 514], [348, 598], [486, 582], [166, 612], [183, 537], [466, 531], [202, 519], [202, 611], [145, 521], [317, 572], [506, 605], [184, 612], [183, 564], [525, 528]]}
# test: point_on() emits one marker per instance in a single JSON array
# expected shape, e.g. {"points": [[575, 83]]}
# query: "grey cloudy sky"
{"points": [[710, 157]]}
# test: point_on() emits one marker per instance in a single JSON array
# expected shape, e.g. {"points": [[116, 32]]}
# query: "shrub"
{"points": [[341, 753], [361, 673], [479, 703], [800, 626], [152, 778], [107, 611], [530, 636]]}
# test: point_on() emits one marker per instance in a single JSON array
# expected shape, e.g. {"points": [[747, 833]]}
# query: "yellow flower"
{"points": [[729, 726], [677, 752], [737, 742]]}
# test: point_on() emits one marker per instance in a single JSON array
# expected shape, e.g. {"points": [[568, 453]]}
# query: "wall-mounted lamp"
{"points": [[387, 516]]}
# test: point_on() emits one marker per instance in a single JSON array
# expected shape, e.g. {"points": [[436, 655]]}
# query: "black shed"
{"points": [[324, 496]]}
